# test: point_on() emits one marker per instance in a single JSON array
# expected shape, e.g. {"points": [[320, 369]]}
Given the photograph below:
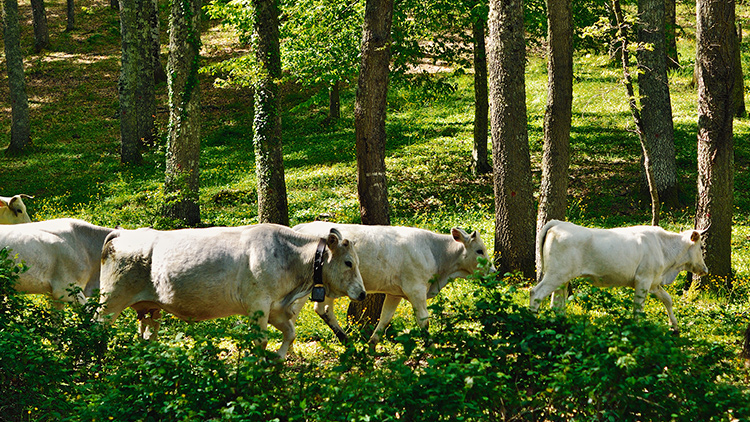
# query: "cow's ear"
{"points": [[695, 236], [475, 235], [334, 237], [459, 235]]}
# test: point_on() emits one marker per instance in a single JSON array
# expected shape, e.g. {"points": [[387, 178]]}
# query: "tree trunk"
{"points": [[479, 162], [670, 34], [715, 63], [553, 192], [183, 144], [334, 101], [514, 211], [136, 86], [71, 15], [369, 128], [159, 74], [622, 38], [739, 83], [41, 33], [269, 158], [656, 106], [19, 129]]}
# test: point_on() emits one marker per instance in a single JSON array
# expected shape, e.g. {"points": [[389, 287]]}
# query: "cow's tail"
{"points": [[540, 237]]}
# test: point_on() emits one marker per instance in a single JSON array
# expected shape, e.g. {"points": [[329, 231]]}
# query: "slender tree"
{"points": [[514, 211], [70, 10], [479, 162], [622, 38], [19, 129], [739, 76], [656, 106], [159, 74], [41, 32], [183, 144], [269, 158], [670, 34], [136, 85], [369, 131], [553, 192], [715, 67]]}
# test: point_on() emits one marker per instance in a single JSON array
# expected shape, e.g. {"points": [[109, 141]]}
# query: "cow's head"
{"points": [[473, 248], [13, 210], [341, 270], [695, 263]]}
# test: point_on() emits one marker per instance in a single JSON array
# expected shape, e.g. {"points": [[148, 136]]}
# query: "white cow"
{"points": [[199, 274], [402, 262], [59, 253], [642, 257], [13, 210]]}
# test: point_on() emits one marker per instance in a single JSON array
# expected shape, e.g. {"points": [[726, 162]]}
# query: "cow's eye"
{"points": [[348, 264], [480, 252]]}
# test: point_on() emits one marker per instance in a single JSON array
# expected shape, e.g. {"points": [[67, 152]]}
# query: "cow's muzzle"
{"points": [[362, 296]]}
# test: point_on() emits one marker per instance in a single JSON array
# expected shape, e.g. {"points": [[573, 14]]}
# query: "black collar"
{"points": [[319, 292], [318, 265]]}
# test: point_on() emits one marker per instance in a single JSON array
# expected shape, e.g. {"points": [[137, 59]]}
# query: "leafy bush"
{"points": [[486, 358]]}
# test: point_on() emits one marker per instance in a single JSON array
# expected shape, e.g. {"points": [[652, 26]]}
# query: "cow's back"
{"points": [[389, 254], [206, 273], [58, 253], [613, 256]]}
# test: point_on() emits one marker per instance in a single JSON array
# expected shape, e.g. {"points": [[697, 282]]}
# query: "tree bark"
{"points": [[514, 212], [41, 32], [183, 143], [553, 192], [269, 158], [71, 15], [656, 106], [479, 162], [670, 34], [715, 64], [369, 128], [136, 85], [19, 102]]}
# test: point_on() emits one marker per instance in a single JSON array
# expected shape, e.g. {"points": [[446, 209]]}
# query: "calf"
{"points": [[59, 253], [13, 210], [642, 257], [402, 262], [199, 274]]}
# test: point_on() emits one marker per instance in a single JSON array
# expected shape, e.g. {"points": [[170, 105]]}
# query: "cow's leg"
{"points": [[559, 297], [389, 308], [262, 322], [543, 289], [325, 311], [286, 327], [149, 321], [666, 299], [641, 288]]}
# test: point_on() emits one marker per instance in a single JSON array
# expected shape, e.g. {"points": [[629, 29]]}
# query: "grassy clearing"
{"points": [[73, 168]]}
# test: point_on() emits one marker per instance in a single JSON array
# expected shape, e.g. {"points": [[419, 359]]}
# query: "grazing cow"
{"points": [[402, 262], [199, 274], [59, 253], [642, 257], [13, 210]]}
